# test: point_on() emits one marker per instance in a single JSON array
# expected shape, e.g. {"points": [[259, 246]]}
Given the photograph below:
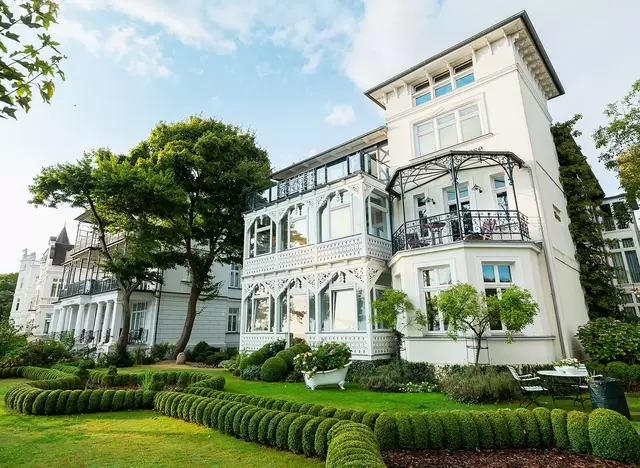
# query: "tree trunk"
{"points": [[182, 342], [123, 341], [479, 347]]}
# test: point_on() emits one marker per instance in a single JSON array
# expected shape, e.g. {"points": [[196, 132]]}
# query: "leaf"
{"points": [[12, 36], [11, 112]]}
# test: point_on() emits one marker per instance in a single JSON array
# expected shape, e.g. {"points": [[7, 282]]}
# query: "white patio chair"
{"points": [[530, 391]]}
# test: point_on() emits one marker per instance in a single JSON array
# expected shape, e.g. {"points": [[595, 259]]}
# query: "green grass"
{"points": [[126, 439]]}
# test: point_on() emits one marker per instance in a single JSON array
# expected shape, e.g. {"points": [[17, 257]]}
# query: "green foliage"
{"points": [[38, 353], [543, 418], [327, 356], [386, 432], [246, 421], [452, 435], [370, 418], [435, 429], [94, 401], [129, 399], [395, 376], [471, 384], [357, 416], [613, 437], [31, 65], [343, 413], [559, 425], [320, 444], [530, 425], [516, 429], [273, 369], [299, 348], [254, 424], [282, 431], [287, 356], [327, 412], [251, 372], [13, 340], [353, 444], [501, 436], [405, 432], [309, 436], [39, 403], [72, 402], [608, 339], [8, 283], [420, 431], [466, 310], [273, 427], [107, 399], [61, 406], [52, 402], [392, 305], [485, 432], [578, 431], [584, 197], [263, 426], [468, 430]]}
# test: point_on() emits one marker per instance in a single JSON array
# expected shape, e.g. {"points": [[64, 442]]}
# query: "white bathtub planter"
{"points": [[330, 377]]}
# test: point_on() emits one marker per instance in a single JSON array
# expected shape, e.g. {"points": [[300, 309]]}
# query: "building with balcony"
{"points": [[621, 232], [461, 184], [86, 301]]}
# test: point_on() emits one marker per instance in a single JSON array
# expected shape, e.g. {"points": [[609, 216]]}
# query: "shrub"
{"points": [[320, 443], [287, 356], [263, 426], [215, 413], [295, 407], [405, 432], [300, 348], [52, 402], [254, 423], [578, 431], [543, 417], [369, 419], [607, 339], [273, 369], [315, 410], [147, 399], [386, 432], [309, 435], [613, 437], [618, 370], [40, 402], [107, 398], [468, 430], [452, 436], [237, 419], [129, 399], [259, 357], [161, 351], [222, 415], [343, 413], [251, 372], [282, 431], [516, 429], [94, 401], [273, 427], [485, 432], [501, 437], [206, 414], [62, 402], [473, 385], [559, 425], [530, 425], [30, 398], [327, 412], [246, 420], [72, 402]]}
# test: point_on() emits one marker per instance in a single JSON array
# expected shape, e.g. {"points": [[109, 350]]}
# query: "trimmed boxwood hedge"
{"points": [[543, 417], [578, 431], [353, 444], [530, 425], [309, 435], [468, 429], [405, 431], [320, 444], [386, 431], [282, 431], [254, 423], [420, 431], [452, 436], [485, 432], [613, 437], [501, 437], [559, 425]]}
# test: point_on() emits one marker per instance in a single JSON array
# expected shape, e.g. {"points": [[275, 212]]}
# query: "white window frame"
{"points": [[458, 123], [253, 233], [453, 77], [234, 276], [384, 209], [434, 290], [232, 319], [291, 216], [329, 207], [56, 284], [138, 315], [497, 284], [332, 308], [497, 191], [375, 290], [618, 247]]}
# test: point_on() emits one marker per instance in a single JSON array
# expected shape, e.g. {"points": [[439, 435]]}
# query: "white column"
{"points": [[108, 315], [99, 317], [82, 309], [91, 317], [67, 317], [116, 322], [61, 318], [54, 320]]}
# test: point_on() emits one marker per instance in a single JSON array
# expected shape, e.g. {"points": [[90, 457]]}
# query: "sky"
{"points": [[293, 71]]}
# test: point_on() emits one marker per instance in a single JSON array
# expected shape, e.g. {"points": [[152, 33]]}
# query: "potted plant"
{"points": [[326, 365], [570, 365], [557, 366]]}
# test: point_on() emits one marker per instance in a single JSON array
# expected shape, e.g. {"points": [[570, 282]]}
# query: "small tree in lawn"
{"points": [[467, 310], [395, 310]]}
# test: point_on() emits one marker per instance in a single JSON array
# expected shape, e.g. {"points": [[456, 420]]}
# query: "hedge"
{"points": [[309, 436], [530, 425], [578, 431], [468, 429], [405, 431], [420, 431], [543, 417], [559, 425], [613, 437]]}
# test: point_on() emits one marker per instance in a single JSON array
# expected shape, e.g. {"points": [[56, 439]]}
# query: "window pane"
{"points": [[504, 273], [488, 274], [441, 77], [471, 127], [424, 128], [628, 298], [433, 316], [420, 86], [465, 80], [446, 119], [312, 312], [362, 316], [298, 233], [422, 99], [463, 191], [378, 222], [503, 204], [627, 242], [261, 321], [443, 90], [264, 242], [325, 310], [282, 313], [427, 143], [320, 179], [634, 266], [498, 182], [298, 304], [621, 273], [463, 66], [444, 275], [448, 136], [344, 313], [337, 170], [340, 222], [429, 277], [451, 195]]}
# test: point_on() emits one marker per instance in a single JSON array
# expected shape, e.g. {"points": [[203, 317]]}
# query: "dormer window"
{"points": [[443, 83]]}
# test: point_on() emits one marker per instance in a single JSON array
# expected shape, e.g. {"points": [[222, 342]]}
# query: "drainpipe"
{"points": [[159, 296], [548, 264]]}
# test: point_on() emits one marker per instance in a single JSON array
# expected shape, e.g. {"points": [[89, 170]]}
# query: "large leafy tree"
{"points": [[215, 165], [118, 196], [619, 141], [468, 311], [8, 283], [24, 67], [584, 197]]}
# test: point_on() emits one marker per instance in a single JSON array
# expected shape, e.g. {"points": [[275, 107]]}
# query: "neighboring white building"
{"points": [[39, 284], [462, 184], [622, 232], [88, 303]]}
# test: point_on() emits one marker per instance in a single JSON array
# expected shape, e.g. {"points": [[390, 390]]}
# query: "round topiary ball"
{"points": [[287, 356], [613, 437], [273, 369]]}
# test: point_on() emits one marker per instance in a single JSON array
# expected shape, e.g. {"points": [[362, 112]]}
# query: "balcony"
{"points": [[91, 239], [91, 286], [365, 162], [468, 225]]}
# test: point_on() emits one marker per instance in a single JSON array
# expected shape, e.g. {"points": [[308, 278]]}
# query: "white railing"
{"points": [[357, 342], [379, 248], [382, 343], [253, 341]]}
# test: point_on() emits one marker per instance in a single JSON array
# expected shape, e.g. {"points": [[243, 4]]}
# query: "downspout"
{"points": [[159, 296], [548, 264]]}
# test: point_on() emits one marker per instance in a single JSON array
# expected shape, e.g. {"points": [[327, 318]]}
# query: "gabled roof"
{"points": [[63, 238], [479, 40]]}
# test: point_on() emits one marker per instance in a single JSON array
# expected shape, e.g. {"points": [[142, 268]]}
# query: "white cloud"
{"points": [[264, 70], [339, 114], [73, 30], [140, 54], [215, 100]]}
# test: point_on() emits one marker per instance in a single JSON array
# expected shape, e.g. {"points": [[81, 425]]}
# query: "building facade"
{"points": [[621, 232], [461, 184]]}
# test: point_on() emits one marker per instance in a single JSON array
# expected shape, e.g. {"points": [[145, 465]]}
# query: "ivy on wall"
{"points": [[584, 197]]}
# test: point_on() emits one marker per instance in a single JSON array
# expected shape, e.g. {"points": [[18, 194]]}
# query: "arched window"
{"points": [[260, 311], [342, 305], [378, 215], [294, 227], [340, 216], [296, 310], [262, 237]]}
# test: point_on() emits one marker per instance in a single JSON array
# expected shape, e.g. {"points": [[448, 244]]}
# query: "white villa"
{"points": [[622, 232], [87, 302], [460, 184]]}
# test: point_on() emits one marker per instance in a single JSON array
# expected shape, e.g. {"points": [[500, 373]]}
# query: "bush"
{"points": [[52, 402], [528, 421], [386, 432], [309, 436], [320, 443], [607, 339], [300, 348], [559, 425], [206, 415], [613, 437], [618, 370], [251, 372], [405, 432], [282, 431], [40, 402], [343, 413], [273, 427], [246, 420], [161, 351], [543, 417], [72, 402], [254, 423], [501, 437], [420, 431], [327, 412], [61, 406], [107, 398], [287, 356], [129, 399], [273, 369], [452, 436], [578, 431], [38, 353], [276, 346], [516, 429], [370, 418], [468, 430], [94, 401], [475, 385], [485, 432]]}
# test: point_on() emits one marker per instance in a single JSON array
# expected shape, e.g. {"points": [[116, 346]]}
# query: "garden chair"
{"points": [[530, 391]]}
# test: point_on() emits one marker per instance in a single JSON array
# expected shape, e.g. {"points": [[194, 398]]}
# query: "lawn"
{"points": [[126, 439]]}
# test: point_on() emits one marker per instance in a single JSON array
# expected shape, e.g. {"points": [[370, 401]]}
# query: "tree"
{"points": [[620, 141], [467, 310], [23, 67], [396, 310], [215, 166], [8, 282], [584, 198], [118, 195]]}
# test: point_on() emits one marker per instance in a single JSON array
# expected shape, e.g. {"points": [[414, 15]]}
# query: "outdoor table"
{"points": [[579, 374], [436, 228]]}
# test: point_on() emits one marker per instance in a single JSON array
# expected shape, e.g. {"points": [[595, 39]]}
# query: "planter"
{"points": [[572, 370], [558, 368], [331, 377]]}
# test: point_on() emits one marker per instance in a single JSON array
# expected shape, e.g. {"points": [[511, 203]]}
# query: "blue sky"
{"points": [[291, 70]]}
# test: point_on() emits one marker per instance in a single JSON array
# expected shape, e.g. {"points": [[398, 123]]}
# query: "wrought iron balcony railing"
{"points": [[137, 336], [91, 286], [464, 226]]}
